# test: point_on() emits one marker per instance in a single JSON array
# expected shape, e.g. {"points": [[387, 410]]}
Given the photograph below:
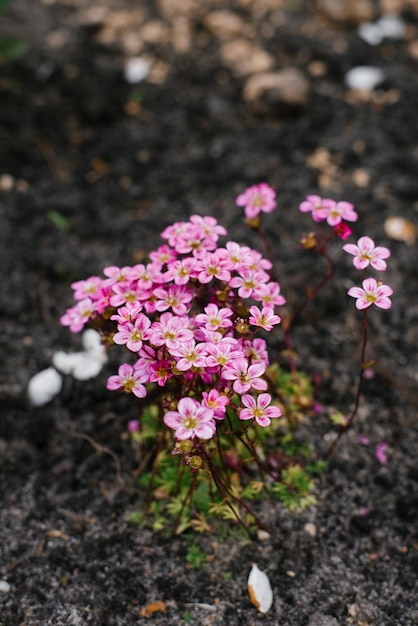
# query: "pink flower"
{"points": [[373, 292], [133, 426], [78, 315], [191, 420], [256, 350], [126, 292], [342, 231], [132, 335], [128, 380], [181, 271], [381, 452], [259, 409], [208, 226], [245, 376], [222, 353], [127, 313], [162, 255], [365, 253], [214, 265], [215, 401], [265, 318], [248, 281], [269, 294], [160, 372], [319, 207], [116, 274], [214, 318], [175, 297], [146, 276], [170, 331], [90, 288], [257, 198], [189, 355], [339, 211]]}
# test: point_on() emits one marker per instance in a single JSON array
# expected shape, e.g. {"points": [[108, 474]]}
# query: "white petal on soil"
{"points": [[92, 344], [259, 589], [44, 386], [86, 364], [391, 26], [370, 33], [136, 70], [364, 77], [4, 586], [81, 365]]}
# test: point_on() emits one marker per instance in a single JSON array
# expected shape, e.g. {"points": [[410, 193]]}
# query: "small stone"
{"points": [[224, 24], [6, 182], [310, 529], [4, 586], [263, 535], [285, 89], [391, 26], [155, 32], [243, 58], [136, 70], [347, 11], [320, 619], [364, 77], [361, 178]]}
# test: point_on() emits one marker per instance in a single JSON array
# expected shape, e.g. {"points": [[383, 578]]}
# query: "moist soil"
{"points": [[92, 169]]}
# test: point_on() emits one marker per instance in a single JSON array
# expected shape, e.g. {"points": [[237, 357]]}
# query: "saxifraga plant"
{"points": [[216, 414]]}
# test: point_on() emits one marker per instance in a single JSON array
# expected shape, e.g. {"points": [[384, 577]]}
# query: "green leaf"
{"points": [[59, 220], [338, 419], [12, 48]]}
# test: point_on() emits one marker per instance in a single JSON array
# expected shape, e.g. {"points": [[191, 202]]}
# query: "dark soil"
{"points": [[75, 142]]}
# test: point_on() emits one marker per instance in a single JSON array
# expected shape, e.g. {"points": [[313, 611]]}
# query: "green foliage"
{"points": [[187, 617], [196, 556], [58, 219], [189, 488], [295, 488]]}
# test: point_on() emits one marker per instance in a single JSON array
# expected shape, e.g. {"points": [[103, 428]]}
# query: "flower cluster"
{"points": [[334, 213], [365, 253], [372, 291], [189, 318]]}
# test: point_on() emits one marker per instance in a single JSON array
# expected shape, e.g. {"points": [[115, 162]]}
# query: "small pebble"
{"points": [[310, 529], [364, 77], [389, 26], [263, 535], [136, 70], [6, 182], [4, 586]]}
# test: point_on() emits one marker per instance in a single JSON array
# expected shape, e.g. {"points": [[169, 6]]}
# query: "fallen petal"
{"points": [[44, 386], [259, 589]]}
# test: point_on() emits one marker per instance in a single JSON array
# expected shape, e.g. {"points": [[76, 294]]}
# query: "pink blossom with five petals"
{"points": [[365, 253], [373, 292], [259, 409], [191, 420]]}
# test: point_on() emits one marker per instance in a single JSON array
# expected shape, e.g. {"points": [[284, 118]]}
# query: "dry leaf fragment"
{"points": [[401, 229], [152, 607], [259, 589]]}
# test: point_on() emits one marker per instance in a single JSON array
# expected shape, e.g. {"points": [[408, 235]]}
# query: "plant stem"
{"points": [[353, 413]]}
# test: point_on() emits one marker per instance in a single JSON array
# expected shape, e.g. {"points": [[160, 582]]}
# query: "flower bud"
{"points": [[195, 462]]}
